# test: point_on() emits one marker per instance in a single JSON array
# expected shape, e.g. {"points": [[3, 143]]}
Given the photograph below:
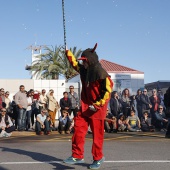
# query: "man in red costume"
{"points": [[96, 89]]}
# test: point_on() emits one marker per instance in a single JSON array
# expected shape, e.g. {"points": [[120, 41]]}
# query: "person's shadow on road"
{"points": [[40, 157]]}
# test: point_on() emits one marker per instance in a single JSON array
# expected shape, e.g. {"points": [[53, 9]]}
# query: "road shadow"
{"points": [[40, 157], [2, 168]]}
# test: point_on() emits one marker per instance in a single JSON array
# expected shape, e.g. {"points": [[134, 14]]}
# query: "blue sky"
{"points": [[133, 33]]}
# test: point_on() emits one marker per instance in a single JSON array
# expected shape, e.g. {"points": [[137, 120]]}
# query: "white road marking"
{"points": [[139, 161], [60, 162]]}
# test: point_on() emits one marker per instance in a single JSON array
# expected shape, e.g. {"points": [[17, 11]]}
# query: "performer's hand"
{"points": [[96, 106], [91, 107], [66, 48]]}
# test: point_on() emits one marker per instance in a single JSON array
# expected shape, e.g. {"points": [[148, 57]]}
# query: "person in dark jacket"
{"points": [[145, 101], [114, 104], [161, 120], [139, 103], [65, 103], [146, 123]]}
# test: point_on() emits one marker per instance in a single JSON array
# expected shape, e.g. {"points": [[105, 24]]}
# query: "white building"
{"points": [[123, 77]]}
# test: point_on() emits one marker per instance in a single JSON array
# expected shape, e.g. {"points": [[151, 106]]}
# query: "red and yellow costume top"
{"points": [[96, 84]]}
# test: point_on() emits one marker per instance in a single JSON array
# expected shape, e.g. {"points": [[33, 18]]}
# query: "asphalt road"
{"points": [[123, 151]]}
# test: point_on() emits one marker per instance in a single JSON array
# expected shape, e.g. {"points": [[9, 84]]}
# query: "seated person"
{"points": [[122, 123], [64, 122], [146, 123], [42, 123], [50, 123], [110, 123], [6, 125], [161, 120], [133, 122]]}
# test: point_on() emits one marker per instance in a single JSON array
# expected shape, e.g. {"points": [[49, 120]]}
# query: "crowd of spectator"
{"points": [[35, 110], [139, 112]]}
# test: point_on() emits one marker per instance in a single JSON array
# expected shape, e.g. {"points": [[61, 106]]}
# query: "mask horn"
{"points": [[94, 48]]}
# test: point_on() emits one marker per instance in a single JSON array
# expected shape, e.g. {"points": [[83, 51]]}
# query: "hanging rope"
{"points": [[64, 24]]}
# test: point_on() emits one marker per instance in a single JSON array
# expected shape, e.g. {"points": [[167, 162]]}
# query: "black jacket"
{"points": [[114, 106], [65, 103], [145, 101]]}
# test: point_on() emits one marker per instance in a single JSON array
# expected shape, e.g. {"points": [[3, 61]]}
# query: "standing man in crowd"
{"points": [[145, 102], [73, 96], [22, 103], [65, 103], [95, 95]]}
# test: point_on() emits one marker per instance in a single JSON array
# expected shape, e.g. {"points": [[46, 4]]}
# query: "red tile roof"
{"points": [[116, 68]]}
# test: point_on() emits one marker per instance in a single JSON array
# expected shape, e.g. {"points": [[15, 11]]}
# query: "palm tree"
{"points": [[53, 63], [48, 65]]}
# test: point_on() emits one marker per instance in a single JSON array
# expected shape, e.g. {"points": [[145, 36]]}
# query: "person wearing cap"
{"points": [[95, 95]]}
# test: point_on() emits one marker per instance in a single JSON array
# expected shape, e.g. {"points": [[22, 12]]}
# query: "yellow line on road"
{"points": [[120, 137]]}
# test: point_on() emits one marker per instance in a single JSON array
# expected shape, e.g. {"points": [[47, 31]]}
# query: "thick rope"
{"points": [[64, 24]]}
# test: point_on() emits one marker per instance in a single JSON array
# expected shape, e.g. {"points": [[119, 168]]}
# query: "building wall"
{"points": [[126, 80], [121, 81]]}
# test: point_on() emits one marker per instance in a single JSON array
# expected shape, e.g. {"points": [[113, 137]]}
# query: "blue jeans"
{"points": [[21, 119], [133, 128], [28, 119], [47, 126]]}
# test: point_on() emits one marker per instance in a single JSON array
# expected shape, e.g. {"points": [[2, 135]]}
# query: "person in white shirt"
{"points": [[6, 125], [42, 123]]}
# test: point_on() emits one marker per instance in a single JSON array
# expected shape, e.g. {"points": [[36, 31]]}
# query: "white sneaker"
{"points": [[7, 134], [138, 130], [2, 133]]}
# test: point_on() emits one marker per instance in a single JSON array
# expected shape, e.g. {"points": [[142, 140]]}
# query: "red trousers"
{"points": [[81, 126]]}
